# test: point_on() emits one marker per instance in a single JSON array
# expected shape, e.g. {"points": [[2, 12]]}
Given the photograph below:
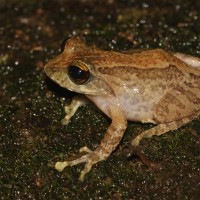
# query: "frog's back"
{"points": [[155, 77], [155, 58]]}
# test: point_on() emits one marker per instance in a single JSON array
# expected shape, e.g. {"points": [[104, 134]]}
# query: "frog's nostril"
{"points": [[53, 69], [49, 70]]}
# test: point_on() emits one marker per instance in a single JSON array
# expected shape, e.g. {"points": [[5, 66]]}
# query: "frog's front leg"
{"points": [[108, 144], [70, 110]]}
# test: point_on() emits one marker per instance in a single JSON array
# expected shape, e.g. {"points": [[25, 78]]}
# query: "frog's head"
{"points": [[74, 69]]}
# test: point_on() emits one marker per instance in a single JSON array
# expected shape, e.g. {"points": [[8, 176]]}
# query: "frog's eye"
{"points": [[78, 72]]}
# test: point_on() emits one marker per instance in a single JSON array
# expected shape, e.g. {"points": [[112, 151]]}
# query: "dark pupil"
{"points": [[78, 75], [75, 72]]}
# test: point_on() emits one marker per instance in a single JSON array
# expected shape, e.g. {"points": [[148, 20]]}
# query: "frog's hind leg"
{"points": [[162, 129], [190, 60], [157, 130], [178, 107]]}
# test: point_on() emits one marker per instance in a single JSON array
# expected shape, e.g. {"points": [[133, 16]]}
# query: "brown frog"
{"points": [[148, 86]]}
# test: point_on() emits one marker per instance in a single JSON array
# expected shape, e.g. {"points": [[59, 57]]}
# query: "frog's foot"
{"points": [[136, 151], [90, 159], [70, 110]]}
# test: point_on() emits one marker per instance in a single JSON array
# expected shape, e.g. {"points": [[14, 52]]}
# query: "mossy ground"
{"points": [[32, 138]]}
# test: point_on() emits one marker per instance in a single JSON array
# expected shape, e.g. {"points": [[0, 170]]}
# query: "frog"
{"points": [[149, 86]]}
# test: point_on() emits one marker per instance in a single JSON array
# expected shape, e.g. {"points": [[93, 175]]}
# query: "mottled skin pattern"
{"points": [[148, 86]]}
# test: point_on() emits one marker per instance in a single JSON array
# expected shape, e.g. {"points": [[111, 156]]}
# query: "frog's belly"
{"points": [[136, 109], [140, 112]]}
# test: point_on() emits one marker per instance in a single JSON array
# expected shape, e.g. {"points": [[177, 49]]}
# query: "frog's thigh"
{"points": [[163, 128], [70, 110], [174, 110], [179, 103]]}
